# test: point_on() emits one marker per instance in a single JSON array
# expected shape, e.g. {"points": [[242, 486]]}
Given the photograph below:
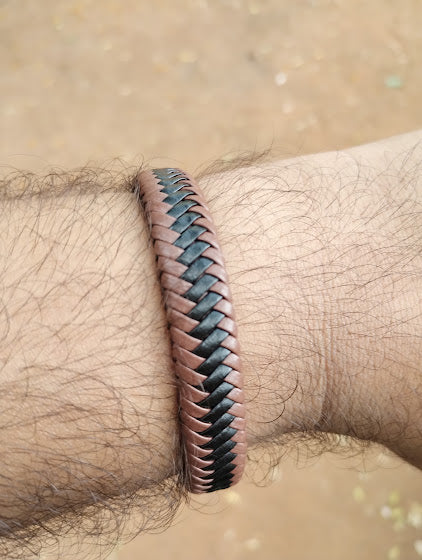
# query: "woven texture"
{"points": [[202, 329]]}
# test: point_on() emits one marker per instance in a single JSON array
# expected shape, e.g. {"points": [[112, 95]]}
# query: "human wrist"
{"points": [[253, 209], [325, 288], [375, 382]]}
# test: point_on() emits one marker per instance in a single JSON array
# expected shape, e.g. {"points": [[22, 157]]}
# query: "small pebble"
{"points": [[393, 498], [254, 8], [280, 78], [287, 107], [418, 547], [359, 494], [397, 513], [58, 24], [393, 553], [229, 535], [386, 512], [253, 544], [232, 497], [393, 82], [187, 56], [414, 516]]}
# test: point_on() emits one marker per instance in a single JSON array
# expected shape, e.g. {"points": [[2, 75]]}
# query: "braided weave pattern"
{"points": [[205, 349]]}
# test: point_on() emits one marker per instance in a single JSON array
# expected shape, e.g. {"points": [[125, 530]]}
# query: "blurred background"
{"points": [[188, 81]]}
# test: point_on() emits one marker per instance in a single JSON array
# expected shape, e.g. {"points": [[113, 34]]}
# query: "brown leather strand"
{"points": [[202, 328]]}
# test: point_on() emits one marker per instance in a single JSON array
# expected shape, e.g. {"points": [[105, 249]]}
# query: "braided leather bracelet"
{"points": [[203, 333]]}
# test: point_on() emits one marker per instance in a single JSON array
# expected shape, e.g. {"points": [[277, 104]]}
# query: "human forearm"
{"points": [[322, 279], [88, 403]]}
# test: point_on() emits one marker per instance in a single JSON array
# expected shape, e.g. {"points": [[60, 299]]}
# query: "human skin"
{"points": [[324, 261]]}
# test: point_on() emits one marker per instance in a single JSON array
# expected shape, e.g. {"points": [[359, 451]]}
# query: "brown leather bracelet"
{"points": [[203, 333]]}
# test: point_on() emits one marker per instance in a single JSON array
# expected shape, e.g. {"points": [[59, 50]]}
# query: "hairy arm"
{"points": [[324, 260]]}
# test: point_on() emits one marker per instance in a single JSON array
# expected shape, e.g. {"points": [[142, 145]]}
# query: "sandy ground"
{"points": [[189, 81]]}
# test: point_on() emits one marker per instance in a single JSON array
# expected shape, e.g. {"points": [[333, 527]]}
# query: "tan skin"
{"points": [[324, 261]]}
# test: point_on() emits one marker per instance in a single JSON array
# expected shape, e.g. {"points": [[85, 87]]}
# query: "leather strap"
{"points": [[203, 333]]}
